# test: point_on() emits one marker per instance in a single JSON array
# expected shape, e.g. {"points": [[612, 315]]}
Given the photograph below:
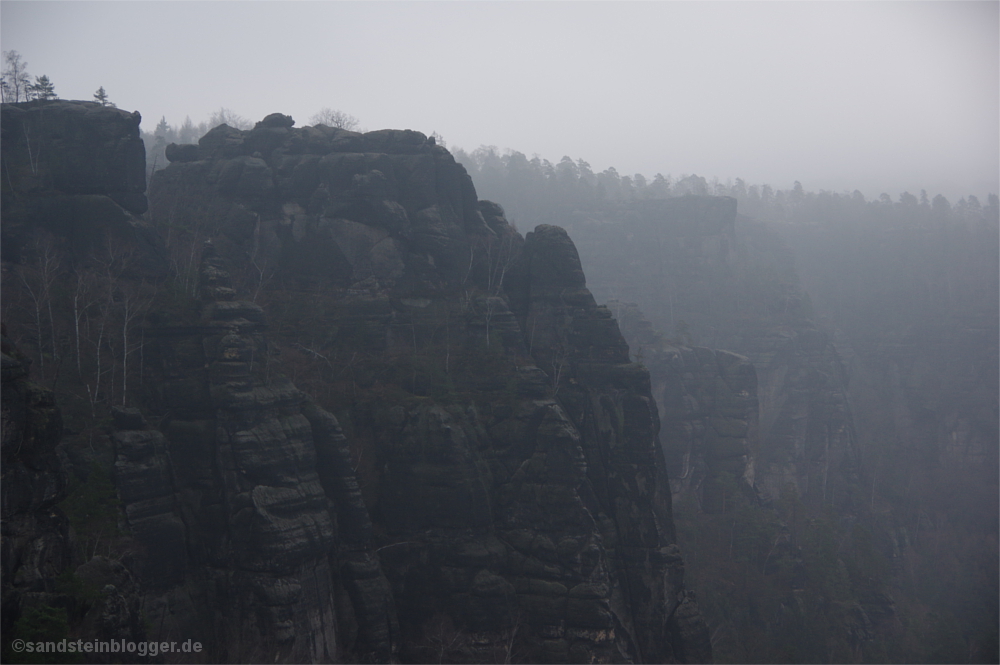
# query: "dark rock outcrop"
{"points": [[77, 170], [232, 499], [474, 476], [41, 575], [708, 408], [327, 206], [609, 401], [516, 502], [36, 546]]}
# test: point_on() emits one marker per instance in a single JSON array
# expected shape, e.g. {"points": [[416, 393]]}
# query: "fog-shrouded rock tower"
{"points": [[360, 419]]}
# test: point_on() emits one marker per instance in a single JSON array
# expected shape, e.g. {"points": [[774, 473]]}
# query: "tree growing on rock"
{"points": [[334, 118], [102, 97], [15, 80], [226, 117], [42, 88]]}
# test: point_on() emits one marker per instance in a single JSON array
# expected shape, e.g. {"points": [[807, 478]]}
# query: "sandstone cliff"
{"points": [[75, 170], [708, 401], [36, 544], [876, 412], [507, 446], [701, 274], [367, 419]]}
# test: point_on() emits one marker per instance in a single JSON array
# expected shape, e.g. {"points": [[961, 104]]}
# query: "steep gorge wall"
{"points": [[35, 535], [702, 275], [497, 491], [877, 410], [708, 399], [73, 184], [916, 306], [915, 301], [538, 530], [235, 498]]}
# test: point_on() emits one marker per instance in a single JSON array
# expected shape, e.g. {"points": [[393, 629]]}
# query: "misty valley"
{"points": [[313, 394]]}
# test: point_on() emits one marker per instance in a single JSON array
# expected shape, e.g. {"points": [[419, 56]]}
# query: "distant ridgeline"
{"points": [[320, 403], [569, 190], [820, 471]]}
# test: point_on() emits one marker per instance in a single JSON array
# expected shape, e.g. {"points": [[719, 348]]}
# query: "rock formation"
{"points": [[36, 544], [870, 417], [231, 497], [523, 513], [369, 421], [73, 186], [77, 171], [708, 409], [43, 583], [682, 262]]}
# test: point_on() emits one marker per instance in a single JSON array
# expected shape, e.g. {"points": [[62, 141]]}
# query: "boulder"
{"points": [[275, 120], [76, 170], [182, 153]]}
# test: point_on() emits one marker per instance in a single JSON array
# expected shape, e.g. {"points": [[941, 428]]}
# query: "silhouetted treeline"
{"points": [[907, 288], [537, 190], [164, 134]]}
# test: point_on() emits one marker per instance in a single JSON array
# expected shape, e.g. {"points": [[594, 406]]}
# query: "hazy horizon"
{"points": [[880, 97]]}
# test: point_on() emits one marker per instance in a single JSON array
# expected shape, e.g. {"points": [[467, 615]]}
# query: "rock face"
{"points": [[708, 406], [76, 170], [236, 498], [683, 263], [500, 492], [807, 430], [906, 302], [74, 184], [35, 532], [327, 207], [839, 424], [919, 338], [42, 581], [372, 423]]}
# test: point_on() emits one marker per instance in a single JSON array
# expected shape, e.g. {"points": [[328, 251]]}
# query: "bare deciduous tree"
{"points": [[15, 78], [334, 118], [125, 300], [226, 117], [38, 277], [261, 272]]}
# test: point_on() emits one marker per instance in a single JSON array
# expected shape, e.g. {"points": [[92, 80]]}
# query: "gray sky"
{"points": [[839, 95]]}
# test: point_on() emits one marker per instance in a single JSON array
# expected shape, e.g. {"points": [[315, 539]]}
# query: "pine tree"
{"points": [[161, 128], [42, 88], [187, 133], [102, 97]]}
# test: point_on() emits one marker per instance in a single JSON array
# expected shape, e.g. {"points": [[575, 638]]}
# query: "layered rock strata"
{"points": [[76, 170], [73, 188], [518, 500], [244, 499], [497, 491]]}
